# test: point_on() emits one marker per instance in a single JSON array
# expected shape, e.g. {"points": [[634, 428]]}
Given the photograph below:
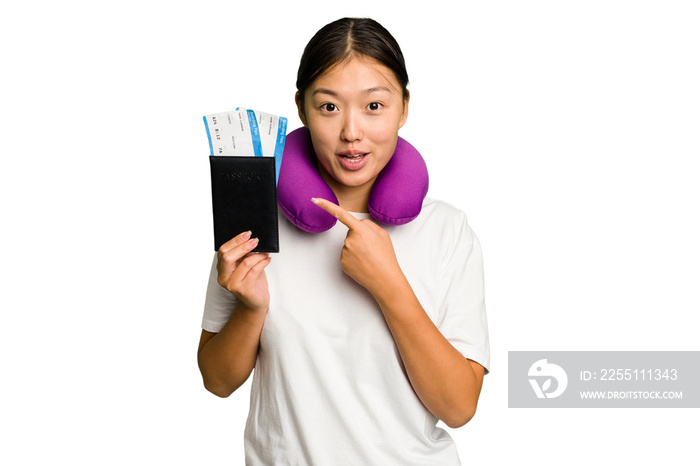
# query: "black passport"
{"points": [[244, 197]]}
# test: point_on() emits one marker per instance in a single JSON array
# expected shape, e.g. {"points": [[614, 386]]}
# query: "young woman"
{"points": [[355, 358]]}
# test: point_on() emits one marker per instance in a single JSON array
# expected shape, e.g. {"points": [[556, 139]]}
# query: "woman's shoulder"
{"points": [[439, 219], [436, 209]]}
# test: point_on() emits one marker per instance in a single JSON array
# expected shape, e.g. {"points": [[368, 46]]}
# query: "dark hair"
{"points": [[347, 37]]}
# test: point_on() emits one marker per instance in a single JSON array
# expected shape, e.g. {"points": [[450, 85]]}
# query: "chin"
{"points": [[355, 181]]}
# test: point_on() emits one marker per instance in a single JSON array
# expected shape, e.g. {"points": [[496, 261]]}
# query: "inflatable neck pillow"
{"points": [[396, 197]]}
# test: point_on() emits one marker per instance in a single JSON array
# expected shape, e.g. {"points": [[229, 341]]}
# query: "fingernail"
{"points": [[315, 201], [246, 235], [253, 242]]}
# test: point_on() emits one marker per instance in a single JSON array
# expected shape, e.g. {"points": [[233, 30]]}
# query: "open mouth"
{"points": [[355, 158]]}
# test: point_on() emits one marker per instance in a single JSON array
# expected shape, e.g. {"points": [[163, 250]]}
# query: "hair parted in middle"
{"points": [[346, 38]]}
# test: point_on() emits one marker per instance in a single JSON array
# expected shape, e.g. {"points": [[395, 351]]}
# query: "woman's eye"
{"points": [[374, 106], [329, 107]]}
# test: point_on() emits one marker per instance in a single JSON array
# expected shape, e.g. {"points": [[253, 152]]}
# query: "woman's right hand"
{"points": [[243, 273]]}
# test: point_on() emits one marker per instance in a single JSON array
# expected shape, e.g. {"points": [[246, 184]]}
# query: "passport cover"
{"points": [[244, 197]]}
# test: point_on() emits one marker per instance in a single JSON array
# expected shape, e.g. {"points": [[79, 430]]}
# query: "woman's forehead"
{"points": [[360, 75]]}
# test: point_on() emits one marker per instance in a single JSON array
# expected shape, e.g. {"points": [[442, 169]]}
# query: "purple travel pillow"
{"points": [[396, 197]]}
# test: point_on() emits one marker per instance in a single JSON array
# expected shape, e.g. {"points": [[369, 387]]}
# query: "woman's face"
{"points": [[354, 112]]}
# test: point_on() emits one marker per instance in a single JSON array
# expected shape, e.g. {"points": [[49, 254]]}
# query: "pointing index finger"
{"points": [[338, 212]]}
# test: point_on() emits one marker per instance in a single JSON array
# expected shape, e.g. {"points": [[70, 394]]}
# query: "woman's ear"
{"points": [[300, 108], [404, 115]]}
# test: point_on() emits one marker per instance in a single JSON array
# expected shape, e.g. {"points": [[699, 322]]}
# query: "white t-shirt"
{"points": [[329, 386]]}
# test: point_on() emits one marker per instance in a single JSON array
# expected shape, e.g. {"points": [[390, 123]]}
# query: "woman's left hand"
{"points": [[368, 254]]}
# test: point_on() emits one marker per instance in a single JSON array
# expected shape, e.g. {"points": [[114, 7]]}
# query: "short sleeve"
{"points": [[218, 305], [462, 317]]}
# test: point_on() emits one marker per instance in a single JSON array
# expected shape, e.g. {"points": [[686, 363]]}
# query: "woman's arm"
{"points": [[446, 382], [227, 358]]}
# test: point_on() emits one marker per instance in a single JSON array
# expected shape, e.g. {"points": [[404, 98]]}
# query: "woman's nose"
{"points": [[352, 128]]}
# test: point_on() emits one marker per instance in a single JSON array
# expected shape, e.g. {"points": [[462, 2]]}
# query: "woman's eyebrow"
{"points": [[322, 90], [370, 90], [377, 89]]}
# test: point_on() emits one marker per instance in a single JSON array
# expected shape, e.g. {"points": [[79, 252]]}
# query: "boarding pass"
{"points": [[245, 132]]}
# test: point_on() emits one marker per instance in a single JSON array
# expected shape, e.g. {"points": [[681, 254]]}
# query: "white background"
{"points": [[568, 132]]}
